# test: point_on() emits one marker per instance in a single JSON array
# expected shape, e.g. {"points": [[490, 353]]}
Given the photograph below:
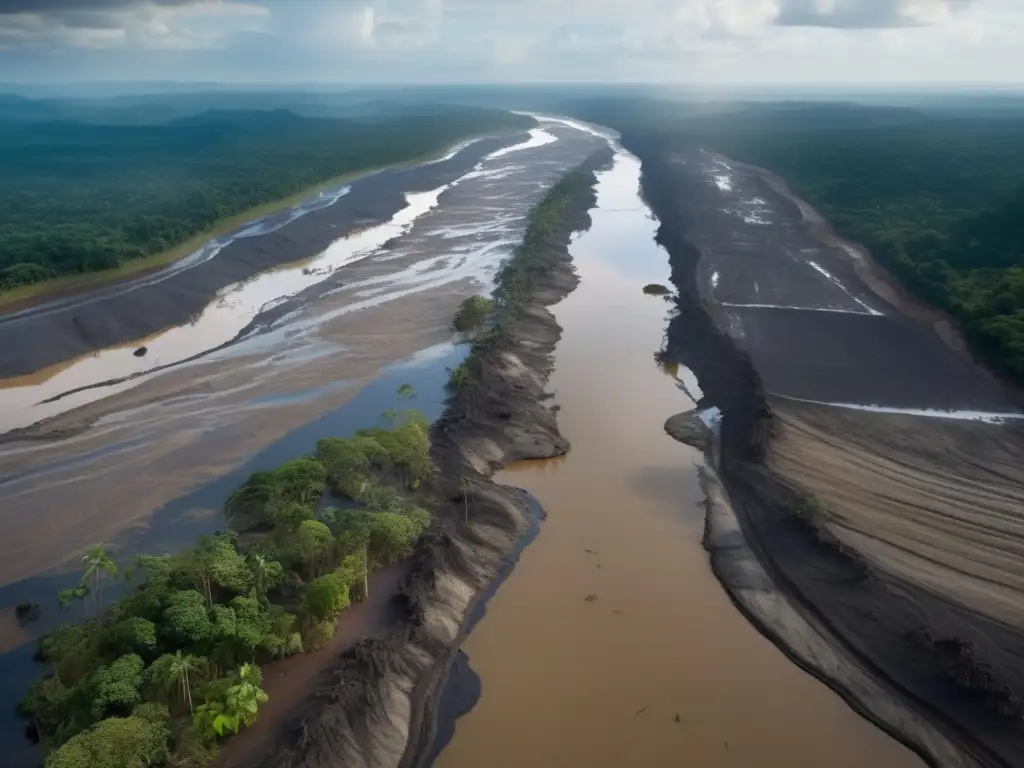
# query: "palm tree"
{"points": [[259, 569], [175, 672], [244, 699], [97, 562]]}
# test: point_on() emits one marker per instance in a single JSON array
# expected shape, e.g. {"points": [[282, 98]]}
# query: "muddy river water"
{"points": [[611, 643]]}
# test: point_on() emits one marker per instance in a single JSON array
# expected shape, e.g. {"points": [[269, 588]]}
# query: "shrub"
{"points": [[472, 313], [319, 635]]}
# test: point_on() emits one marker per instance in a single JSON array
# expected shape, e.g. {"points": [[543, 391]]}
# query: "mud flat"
{"points": [[611, 643], [162, 431], [876, 474], [67, 328]]}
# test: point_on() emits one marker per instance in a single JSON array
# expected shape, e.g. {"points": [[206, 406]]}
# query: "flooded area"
{"points": [[112, 450], [611, 643], [143, 452]]}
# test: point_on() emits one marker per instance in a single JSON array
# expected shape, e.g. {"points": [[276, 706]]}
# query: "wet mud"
{"points": [[67, 328], [893, 532]]}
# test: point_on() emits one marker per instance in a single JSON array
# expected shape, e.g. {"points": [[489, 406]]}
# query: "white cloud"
{"points": [[479, 40], [153, 25]]}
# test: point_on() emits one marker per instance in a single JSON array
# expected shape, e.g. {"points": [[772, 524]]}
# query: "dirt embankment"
{"points": [[933, 671], [377, 706], [65, 328], [878, 279]]}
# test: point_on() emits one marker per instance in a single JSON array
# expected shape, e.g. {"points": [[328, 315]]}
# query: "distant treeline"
{"points": [[937, 196], [78, 198]]}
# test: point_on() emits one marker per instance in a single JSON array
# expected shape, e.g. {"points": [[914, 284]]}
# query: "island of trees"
{"points": [[163, 675], [78, 197]]}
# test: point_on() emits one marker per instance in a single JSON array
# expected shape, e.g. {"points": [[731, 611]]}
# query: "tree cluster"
{"points": [[162, 675]]}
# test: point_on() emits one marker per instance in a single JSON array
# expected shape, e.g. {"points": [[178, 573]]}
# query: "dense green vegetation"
{"points": [[78, 198], [516, 280], [472, 313], [937, 196], [164, 674]]}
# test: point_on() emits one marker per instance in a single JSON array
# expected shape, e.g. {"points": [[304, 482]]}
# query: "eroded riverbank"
{"points": [[870, 465], [612, 643], [383, 713]]}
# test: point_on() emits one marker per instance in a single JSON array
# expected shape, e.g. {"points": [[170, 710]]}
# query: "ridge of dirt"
{"points": [[377, 706], [829, 607]]}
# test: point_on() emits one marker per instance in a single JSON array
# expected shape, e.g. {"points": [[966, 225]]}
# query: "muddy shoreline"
{"points": [[66, 328], [879, 280], [378, 707], [863, 619]]}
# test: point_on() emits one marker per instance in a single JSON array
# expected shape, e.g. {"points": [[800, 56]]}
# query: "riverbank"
{"points": [[611, 643], [837, 499], [26, 296], [384, 714], [70, 327]]}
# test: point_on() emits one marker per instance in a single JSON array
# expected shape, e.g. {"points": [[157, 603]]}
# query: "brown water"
{"points": [[657, 667]]}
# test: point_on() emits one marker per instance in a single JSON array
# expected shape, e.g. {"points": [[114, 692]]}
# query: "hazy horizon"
{"points": [[710, 44]]}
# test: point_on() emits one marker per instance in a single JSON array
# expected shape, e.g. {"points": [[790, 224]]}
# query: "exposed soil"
{"points": [[909, 563], [64, 328], [377, 706]]}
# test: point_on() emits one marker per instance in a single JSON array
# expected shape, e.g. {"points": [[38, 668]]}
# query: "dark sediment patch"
{"points": [[46, 334], [379, 706], [938, 659], [858, 358]]}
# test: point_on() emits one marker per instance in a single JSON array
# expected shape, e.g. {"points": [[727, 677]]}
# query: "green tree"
{"points": [[239, 705], [132, 635], [117, 742], [311, 541], [185, 618], [216, 562], [392, 536], [98, 562], [328, 595], [267, 573], [116, 685], [302, 480], [472, 313], [172, 671]]}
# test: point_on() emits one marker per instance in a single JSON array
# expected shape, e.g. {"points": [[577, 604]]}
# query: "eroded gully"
{"points": [[611, 643]]}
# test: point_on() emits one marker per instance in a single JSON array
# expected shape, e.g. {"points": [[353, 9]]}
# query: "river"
{"points": [[611, 643]]}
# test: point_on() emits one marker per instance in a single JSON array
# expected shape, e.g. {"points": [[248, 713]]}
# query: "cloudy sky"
{"points": [[409, 41]]}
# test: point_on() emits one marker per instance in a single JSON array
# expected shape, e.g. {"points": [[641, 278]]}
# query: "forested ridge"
{"points": [[937, 197], [79, 197]]}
